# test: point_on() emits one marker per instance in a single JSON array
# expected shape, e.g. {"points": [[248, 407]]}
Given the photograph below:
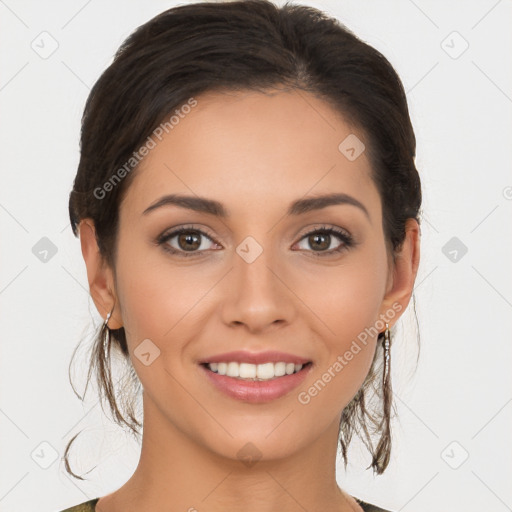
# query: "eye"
{"points": [[189, 241], [321, 238], [185, 241]]}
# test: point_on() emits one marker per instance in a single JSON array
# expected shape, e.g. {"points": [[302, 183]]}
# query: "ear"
{"points": [[99, 275], [403, 274]]}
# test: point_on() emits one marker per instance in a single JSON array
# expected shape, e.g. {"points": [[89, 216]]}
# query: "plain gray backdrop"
{"points": [[452, 439]]}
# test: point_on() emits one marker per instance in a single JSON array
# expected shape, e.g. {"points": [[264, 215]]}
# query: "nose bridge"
{"points": [[256, 296]]}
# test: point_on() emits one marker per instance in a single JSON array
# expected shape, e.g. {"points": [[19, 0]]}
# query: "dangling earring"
{"points": [[110, 314], [387, 344], [105, 328], [383, 450]]}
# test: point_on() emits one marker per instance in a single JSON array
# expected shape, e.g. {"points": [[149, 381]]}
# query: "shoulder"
{"points": [[368, 507], [86, 506], [90, 506]]}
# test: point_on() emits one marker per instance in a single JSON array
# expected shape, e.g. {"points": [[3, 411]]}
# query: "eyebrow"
{"points": [[212, 207]]}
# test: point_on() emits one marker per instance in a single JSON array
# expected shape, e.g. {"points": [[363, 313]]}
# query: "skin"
{"points": [[255, 153]]}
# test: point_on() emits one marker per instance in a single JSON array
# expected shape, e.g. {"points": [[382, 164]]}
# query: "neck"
{"points": [[175, 471]]}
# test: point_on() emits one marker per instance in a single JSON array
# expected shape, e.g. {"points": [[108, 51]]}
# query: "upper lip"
{"points": [[242, 356]]}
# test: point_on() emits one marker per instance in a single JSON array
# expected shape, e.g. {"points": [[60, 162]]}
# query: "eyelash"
{"points": [[344, 237]]}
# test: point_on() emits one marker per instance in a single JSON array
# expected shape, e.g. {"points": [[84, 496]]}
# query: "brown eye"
{"points": [[320, 240], [186, 242], [189, 241]]}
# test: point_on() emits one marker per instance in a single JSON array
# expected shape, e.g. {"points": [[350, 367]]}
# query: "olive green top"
{"points": [[90, 506]]}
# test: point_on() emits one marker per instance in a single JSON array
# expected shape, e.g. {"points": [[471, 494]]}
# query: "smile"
{"points": [[254, 372], [255, 383]]}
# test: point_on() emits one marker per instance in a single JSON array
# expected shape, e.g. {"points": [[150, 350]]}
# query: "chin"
{"points": [[262, 440]]}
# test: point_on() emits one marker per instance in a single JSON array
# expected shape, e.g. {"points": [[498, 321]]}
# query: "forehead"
{"points": [[254, 149]]}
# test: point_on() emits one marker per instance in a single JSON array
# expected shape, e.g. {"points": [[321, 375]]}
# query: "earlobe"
{"points": [[405, 269], [99, 275]]}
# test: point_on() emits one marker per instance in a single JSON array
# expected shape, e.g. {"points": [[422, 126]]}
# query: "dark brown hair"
{"points": [[244, 45]]}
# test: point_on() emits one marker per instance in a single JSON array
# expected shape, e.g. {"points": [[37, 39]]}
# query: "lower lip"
{"points": [[257, 391]]}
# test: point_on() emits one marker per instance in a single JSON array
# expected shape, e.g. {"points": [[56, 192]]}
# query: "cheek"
{"points": [[160, 301], [347, 297], [347, 301]]}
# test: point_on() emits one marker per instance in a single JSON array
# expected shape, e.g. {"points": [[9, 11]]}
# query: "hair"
{"points": [[244, 45]]}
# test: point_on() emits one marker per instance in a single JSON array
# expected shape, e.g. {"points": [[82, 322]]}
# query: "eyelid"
{"points": [[186, 227], [170, 233], [326, 227]]}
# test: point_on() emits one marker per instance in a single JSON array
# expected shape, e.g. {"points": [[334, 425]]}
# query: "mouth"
{"points": [[256, 382], [255, 372]]}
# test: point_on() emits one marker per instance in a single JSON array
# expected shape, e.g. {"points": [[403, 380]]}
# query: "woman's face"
{"points": [[264, 277]]}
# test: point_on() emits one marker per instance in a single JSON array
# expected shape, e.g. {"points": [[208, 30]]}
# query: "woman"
{"points": [[248, 209]]}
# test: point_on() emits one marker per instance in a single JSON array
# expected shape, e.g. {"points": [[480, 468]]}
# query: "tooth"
{"points": [[265, 371], [247, 371], [279, 369], [232, 370]]}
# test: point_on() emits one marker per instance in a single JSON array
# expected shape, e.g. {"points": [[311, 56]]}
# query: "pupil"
{"points": [[325, 237], [189, 239]]}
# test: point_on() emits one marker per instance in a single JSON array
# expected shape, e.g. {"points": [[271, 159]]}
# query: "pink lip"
{"points": [[242, 356], [256, 391]]}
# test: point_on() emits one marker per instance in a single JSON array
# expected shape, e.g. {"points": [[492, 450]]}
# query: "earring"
{"points": [[383, 450], [105, 324], [387, 343], [105, 328]]}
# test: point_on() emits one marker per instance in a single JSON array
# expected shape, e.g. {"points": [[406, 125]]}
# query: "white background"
{"points": [[461, 390]]}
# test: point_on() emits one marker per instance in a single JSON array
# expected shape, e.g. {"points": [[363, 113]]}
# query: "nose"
{"points": [[257, 295]]}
